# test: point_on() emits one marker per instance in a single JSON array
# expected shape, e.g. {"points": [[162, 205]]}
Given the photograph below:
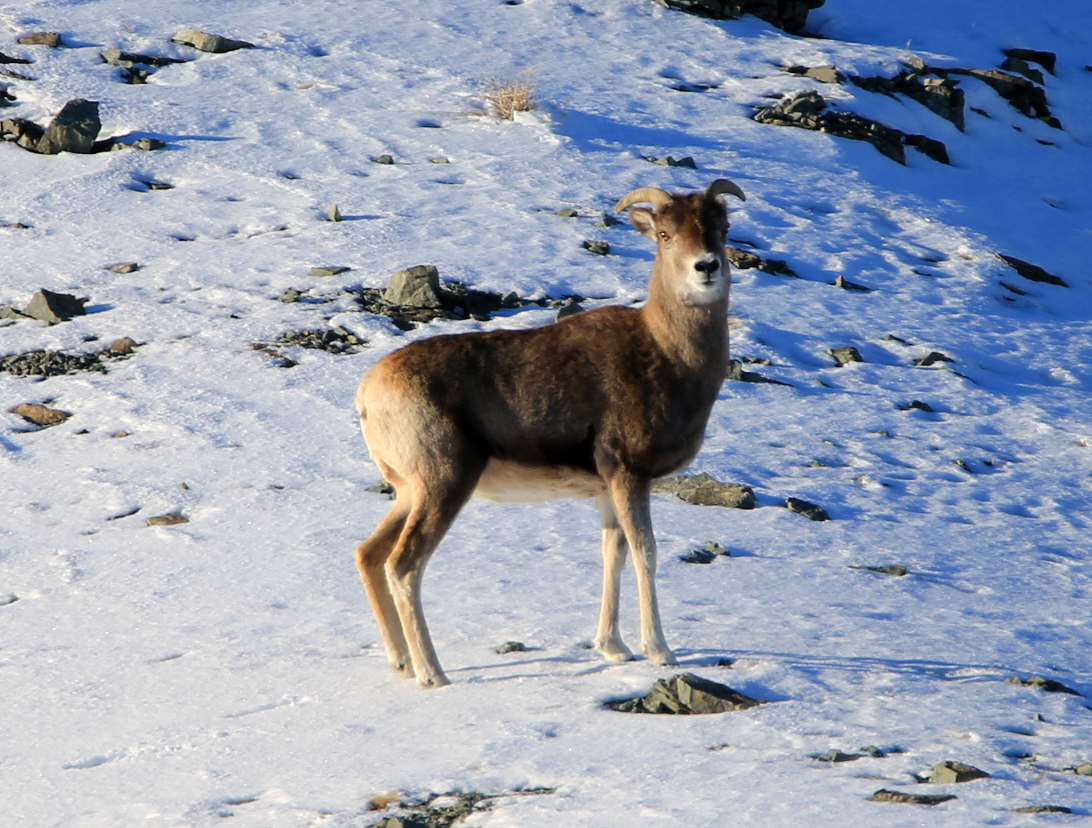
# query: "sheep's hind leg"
{"points": [[607, 639]]}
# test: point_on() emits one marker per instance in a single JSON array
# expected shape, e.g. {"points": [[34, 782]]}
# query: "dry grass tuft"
{"points": [[509, 95]]}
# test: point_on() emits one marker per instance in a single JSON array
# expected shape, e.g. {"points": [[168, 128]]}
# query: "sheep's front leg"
{"points": [[608, 640], [630, 495]]}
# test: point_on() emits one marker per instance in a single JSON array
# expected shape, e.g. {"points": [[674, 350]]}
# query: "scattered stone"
{"points": [[1047, 60], [205, 42], [895, 570], [126, 60], [443, 810], [600, 247], [57, 363], [670, 161], [333, 214], [290, 295], [511, 647], [845, 284], [417, 287], [686, 694], [329, 270], [169, 519], [1083, 770], [41, 415], [74, 129], [1031, 271], [1045, 684], [947, 773], [568, 212], [884, 795], [50, 39], [123, 346], [439, 159], [1043, 809], [790, 15], [932, 358], [745, 261], [845, 355], [704, 490], [333, 340], [607, 220], [570, 308], [384, 159], [7, 59], [8, 599], [809, 110], [124, 267], [808, 510]]}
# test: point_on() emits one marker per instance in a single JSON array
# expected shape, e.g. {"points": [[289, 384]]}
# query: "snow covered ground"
{"points": [[227, 671]]}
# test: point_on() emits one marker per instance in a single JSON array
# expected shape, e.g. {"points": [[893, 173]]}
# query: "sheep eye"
{"points": [[664, 236]]}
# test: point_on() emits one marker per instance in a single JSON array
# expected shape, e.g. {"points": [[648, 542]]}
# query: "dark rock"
{"points": [[8, 59], [54, 307], [7, 599], [735, 373], [329, 270], [600, 247], [40, 415], [124, 267], [745, 261], [148, 144], [940, 94], [687, 694], [1045, 684], [417, 287], [790, 15], [707, 554], [607, 220], [1021, 67], [704, 490], [1045, 59], [58, 363], [808, 110], [835, 756], [74, 129], [947, 773], [845, 284], [568, 212], [128, 60], [670, 161], [206, 42], [932, 358], [824, 74], [384, 159], [884, 795], [1028, 98], [169, 519], [511, 647], [382, 487], [918, 405], [895, 570], [289, 296], [51, 39], [808, 510], [1032, 272], [570, 308], [1043, 809], [845, 355]]}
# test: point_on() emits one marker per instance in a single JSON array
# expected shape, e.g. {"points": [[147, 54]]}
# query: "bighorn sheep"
{"points": [[598, 405]]}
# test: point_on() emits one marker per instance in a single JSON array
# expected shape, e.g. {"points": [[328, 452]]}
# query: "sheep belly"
{"points": [[506, 482]]}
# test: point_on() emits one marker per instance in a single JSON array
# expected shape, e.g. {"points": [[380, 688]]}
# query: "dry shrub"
{"points": [[509, 95]]}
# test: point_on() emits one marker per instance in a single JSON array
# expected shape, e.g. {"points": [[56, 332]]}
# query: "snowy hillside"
{"points": [[223, 667]]}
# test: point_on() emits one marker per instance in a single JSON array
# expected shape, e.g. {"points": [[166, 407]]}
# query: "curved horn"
{"points": [[722, 186], [649, 195]]}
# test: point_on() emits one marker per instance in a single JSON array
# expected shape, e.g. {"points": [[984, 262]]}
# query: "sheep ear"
{"points": [[644, 220]]}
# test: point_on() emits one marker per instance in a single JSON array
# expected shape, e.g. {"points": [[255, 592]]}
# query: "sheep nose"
{"points": [[707, 266]]}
